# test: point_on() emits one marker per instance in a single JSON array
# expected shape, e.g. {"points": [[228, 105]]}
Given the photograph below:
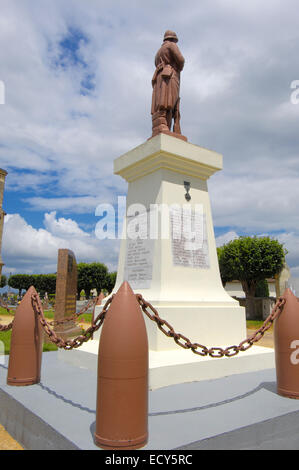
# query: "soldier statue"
{"points": [[166, 87]]}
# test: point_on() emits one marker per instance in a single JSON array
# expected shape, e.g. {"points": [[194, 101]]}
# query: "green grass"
{"points": [[3, 312], [254, 324], [5, 337], [86, 316], [48, 314]]}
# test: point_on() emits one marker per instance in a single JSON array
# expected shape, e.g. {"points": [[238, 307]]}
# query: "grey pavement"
{"points": [[236, 412]]}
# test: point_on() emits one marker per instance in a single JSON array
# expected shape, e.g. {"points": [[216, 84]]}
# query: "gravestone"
{"points": [[66, 294]]}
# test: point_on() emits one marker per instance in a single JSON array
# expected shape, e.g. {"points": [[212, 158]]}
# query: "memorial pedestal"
{"points": [[178, 276], [182, 282]]}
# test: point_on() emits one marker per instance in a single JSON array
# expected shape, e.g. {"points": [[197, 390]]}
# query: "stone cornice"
{"points": [[167, 152]]}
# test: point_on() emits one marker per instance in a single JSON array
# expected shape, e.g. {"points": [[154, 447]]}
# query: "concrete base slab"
{"points": [[241, 411], [180, 366]]}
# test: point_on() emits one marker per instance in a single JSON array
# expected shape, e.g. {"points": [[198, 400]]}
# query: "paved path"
{"points": [[8, 443], [267, 341]]}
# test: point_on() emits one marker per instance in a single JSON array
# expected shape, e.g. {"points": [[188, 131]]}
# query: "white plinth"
{"points": [[190, 297], [180, 366]]}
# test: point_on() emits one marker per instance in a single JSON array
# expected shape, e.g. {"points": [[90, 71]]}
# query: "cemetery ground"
{"points": [[6, 441], [85, 320]]}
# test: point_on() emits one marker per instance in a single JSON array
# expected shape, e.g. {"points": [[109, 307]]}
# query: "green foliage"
{"points": [[262, 288], [226, 275], [42, 282], [110, 281], [91, 276], [20, 281], [251, 259], [3, 281]]}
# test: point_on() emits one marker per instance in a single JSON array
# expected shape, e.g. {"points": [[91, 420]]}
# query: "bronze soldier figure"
{"points": [[166, 87]]}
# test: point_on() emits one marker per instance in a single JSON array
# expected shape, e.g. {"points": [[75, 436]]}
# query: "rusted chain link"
{"points": [[91, 303], [9, 326], [72, 343], [52, 323], [6, 327], [6, 307], [200, 349]]}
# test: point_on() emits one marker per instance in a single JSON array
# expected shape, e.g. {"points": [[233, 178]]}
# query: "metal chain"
{"points": [[6, 327], [52, 323], [9, 326], [200, 349], [79, 340], [76, 315]]}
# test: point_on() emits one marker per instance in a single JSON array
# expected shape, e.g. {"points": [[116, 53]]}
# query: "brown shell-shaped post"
{"points": [[122, 394], [286, 341], [26, 345]]}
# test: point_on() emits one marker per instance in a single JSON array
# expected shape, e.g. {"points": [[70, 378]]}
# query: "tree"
{"points": [[110, 282], [262, 289], [250, 260], [20, 282], [224, 273], [91, 276], [44, 283], [3, 281]]}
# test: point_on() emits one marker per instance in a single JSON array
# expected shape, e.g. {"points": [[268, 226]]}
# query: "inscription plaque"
{"points": [[189, 238], [139, 252]]}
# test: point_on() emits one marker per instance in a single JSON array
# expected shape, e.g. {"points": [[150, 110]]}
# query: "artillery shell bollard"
{"points": [[286, 341], [122, 395], [26, 345]]}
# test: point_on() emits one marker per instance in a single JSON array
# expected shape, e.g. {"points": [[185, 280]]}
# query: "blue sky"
{"points": [[78, 92]]}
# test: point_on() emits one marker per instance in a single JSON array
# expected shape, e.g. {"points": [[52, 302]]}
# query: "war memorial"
{"points": [[166, 364]]}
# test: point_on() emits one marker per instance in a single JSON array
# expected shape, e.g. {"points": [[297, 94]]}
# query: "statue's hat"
{"points": [[170, 35]]}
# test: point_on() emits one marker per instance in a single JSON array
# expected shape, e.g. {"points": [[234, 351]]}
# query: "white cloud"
{"points": [[226, 238], [290, 241], [235, 96], [49, 125], [26, 249], [255, 204], [65, 228], [75, 205]]}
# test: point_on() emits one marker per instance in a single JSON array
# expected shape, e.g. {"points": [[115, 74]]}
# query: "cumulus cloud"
{"points": [[235, 85], [65, 228], [226, 238], [35, 250], [256, 204], [78, 94], [74, 205]]}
